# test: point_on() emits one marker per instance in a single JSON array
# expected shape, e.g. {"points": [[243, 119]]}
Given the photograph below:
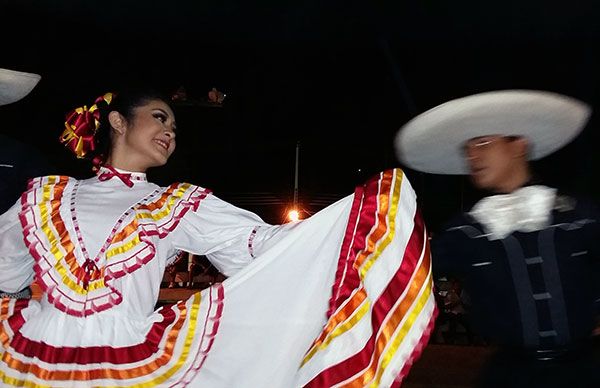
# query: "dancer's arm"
{"points": [[16, 264], [229, 236]]}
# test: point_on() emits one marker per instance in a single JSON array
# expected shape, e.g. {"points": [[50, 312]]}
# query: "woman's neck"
{"points": [[124, 164]]}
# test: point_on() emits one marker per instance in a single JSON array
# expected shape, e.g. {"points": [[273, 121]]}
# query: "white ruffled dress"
{"points": [[340, 299]]}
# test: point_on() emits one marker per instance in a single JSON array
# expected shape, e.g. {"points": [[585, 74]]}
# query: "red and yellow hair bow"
{"points": [[81, 126]]}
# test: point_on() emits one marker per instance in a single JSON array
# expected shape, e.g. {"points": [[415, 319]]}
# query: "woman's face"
{"points": [[150, 137]]}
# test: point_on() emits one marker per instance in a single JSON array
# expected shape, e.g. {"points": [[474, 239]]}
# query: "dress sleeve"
{"points": [[16, 264], [229, 236]]}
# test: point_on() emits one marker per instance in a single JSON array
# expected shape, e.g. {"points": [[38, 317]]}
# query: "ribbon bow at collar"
{"points": [[107, 172], [527, 209]]}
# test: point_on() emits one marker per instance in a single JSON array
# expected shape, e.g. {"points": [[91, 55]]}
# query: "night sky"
{"points": [[340, 77]]}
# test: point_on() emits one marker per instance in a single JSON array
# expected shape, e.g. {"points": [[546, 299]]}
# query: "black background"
{"points": [[340, 77]]}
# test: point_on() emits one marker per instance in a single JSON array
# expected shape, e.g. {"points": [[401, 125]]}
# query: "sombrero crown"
{"points": [[433, 141]]}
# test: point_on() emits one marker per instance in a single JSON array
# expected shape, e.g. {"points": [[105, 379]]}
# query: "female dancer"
{"points": [[341, 298]]}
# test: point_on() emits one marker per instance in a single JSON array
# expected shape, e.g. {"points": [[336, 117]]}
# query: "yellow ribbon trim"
{"points": [[55, 250], [167, 209], [401, 335], [123, 248], [149, 215], [401, 313], [341, 329], [152, 383], [73, 285], [391, 215], [21, 383], [53, 239], [391, 219], [69, 131], [68, 135], [184, 354], [67, 276]]}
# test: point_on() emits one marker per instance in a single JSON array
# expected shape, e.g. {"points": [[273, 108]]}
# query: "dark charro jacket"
{"points": [[19, 162], [535, 290]]}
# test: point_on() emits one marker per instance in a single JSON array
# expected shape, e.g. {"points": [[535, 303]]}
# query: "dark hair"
{"points": [[125, 102]]}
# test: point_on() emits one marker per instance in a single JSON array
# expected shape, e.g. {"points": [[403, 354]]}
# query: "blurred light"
{"points": [[293, 215]]}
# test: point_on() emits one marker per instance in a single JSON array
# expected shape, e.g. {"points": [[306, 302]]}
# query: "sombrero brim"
{"points": [[433, 141], [14, 85]]}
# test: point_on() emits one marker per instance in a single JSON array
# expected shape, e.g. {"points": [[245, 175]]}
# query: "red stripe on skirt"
{"points": [[91, 354], [361, 360]]}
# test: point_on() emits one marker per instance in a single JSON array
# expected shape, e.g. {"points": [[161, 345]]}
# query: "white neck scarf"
{"points": [[526, 209]]}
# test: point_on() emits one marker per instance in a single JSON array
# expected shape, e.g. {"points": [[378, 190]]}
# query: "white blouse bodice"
{"points": [[122, 237]]}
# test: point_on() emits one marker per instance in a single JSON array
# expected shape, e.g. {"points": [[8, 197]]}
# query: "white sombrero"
{"points": [[15, 85], [433, 141]]}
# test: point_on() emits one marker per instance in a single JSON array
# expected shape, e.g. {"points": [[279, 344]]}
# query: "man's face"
{"points": [[495, 160]]}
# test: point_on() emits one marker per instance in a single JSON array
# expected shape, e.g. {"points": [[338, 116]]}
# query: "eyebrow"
{"points": [[163, 111]]}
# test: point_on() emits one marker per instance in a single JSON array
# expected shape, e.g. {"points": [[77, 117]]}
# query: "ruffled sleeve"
{"points": [[16, 264], [229, 236]]}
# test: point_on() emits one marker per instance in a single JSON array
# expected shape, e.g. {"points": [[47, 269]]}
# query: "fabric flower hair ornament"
{"points": [[81, 125]]}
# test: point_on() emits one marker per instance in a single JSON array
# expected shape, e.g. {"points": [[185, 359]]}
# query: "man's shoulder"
{"points": [[458, 220], [570, 204], [23, 155], [11, 143]]}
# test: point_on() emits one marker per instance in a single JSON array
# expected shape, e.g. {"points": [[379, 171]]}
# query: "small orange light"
{"points": [[293, 215]]}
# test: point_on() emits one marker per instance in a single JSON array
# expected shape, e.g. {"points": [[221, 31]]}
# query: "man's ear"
{"points": [[521, 147], [117, 122]]}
